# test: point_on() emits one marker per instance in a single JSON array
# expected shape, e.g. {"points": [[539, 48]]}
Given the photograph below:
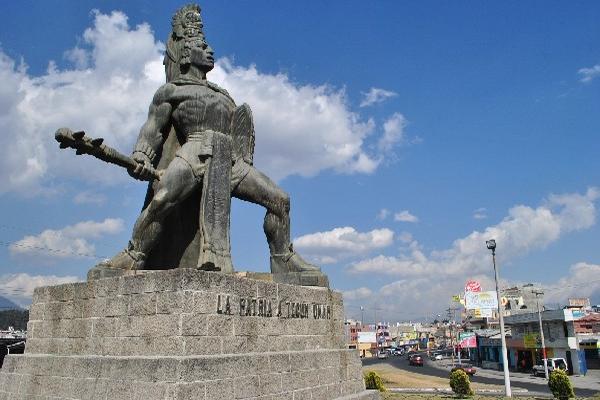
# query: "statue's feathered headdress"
{"points": [[187, 31]]}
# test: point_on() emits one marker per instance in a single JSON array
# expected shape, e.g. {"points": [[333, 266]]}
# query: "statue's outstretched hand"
{"points": [[143, 169]]}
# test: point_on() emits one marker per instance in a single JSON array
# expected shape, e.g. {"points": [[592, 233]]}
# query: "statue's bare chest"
{"points": [[197, 108]]}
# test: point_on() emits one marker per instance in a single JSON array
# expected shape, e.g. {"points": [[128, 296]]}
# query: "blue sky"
{"points": [[405, 133]]}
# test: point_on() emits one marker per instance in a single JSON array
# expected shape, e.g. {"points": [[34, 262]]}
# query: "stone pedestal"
{"points": [[184, 334]]}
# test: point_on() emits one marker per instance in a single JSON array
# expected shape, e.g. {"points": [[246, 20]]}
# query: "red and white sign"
{"points": [[467, 342], [472, 286]]}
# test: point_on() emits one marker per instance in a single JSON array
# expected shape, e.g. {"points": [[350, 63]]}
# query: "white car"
{"points": [[553, 363], [382, 355], [438, 357]]}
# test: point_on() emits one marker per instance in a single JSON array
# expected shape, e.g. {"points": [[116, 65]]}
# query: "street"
{"points": [[438, 369]]}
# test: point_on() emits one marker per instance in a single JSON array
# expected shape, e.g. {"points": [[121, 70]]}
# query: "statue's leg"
{"points": [[258, 188], [175, 185]]}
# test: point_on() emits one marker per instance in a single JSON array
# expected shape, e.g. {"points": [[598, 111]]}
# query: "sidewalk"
{"points": [[591, 381]]}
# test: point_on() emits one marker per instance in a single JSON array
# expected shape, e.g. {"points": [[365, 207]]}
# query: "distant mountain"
{"points": [[6, 304]]}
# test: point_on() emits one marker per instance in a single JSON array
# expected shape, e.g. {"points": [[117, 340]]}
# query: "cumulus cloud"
{"points": [[393, 132], [106, 93], [331, 246], [357, 294], [583, 280], [589, 74], [405, 216], [19, 287], [424, 282], [383, 214], [90, 197], [525, 228], [301, 129], [376, 95], [480, 213], [69, 242]]}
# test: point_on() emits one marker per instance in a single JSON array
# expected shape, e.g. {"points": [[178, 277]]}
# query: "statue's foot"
{"points": [[293, 269], [125, 260]]}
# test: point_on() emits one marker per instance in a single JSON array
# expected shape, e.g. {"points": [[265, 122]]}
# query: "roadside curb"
{"points": [[517, 392]]}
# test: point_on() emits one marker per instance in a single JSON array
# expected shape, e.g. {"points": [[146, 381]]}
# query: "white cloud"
{"points": [[589, 74], [376, 95], [583, 280], [357, 294], [393, 132], [68, 242], [405, 216], [331, 246], [383, 214], [301, 129], [108, 98], [524, 229], [90, 197], [424, 283], [406, 237], [480, 213], [19, 287]]}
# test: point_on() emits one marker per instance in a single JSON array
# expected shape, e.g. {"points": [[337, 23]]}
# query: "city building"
{"points": [[587, 330], [524, 347]]}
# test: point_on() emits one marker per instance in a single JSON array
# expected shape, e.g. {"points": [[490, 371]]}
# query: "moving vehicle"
{"points": [[553, 363], [382, 354], [438, 357], [468, 369], [415, 359]]}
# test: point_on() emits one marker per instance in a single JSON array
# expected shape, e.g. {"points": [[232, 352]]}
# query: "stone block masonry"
{"points": [[184, 334]]}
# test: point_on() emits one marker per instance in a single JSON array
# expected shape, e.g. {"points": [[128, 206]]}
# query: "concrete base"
{"points": [[184, 334]]}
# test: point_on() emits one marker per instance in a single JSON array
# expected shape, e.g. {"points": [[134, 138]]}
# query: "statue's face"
{"points": [[202, 56]]}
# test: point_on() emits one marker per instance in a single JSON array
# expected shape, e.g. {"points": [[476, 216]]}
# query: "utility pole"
{"points": [[451, 311], [491, 245], [544, 359]]}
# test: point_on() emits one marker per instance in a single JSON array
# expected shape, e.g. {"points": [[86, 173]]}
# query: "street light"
{"points": [[544, 359], [491, 245], [362, 317]]}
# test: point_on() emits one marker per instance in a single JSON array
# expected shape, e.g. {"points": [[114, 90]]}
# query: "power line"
{"points": [[50, 250]]}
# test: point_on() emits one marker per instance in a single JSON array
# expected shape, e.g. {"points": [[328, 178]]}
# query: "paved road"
{"points": [[401, 362]]}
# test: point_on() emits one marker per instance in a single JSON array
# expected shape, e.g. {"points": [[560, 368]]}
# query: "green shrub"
{"points": [[460, 383], [373, 381], [560, 385]]}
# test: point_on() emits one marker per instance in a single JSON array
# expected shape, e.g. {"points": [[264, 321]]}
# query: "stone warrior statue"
{"points": [[202, 146]]}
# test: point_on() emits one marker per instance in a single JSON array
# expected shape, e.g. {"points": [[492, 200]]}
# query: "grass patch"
{"points": [[393, 377]]}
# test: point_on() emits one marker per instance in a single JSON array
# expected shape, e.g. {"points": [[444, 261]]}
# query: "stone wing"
{"points": [[242, 132]]}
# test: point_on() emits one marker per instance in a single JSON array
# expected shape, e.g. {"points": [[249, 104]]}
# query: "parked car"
{"points": [[438, 357], [382, 355], [416, 360], [398, 352], [468, 369], [553, 363]]}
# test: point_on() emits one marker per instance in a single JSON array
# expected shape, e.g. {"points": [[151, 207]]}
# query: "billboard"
{"points": [[472, 286], [482, 313], [531, 340], [366, 337], [475, 300], [467, 339], [580, 302]]}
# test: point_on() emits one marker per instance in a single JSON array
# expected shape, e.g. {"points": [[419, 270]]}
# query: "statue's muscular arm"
{"points": [[150, 138]]}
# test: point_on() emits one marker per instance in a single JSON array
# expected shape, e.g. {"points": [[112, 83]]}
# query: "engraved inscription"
{"points": [[263, 307]]}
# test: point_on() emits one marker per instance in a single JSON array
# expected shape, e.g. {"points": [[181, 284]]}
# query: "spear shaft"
{"points": [[86, 145]]}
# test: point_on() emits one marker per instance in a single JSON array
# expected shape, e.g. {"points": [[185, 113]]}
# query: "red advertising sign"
{"points": [[467, 342], [472, 286]]}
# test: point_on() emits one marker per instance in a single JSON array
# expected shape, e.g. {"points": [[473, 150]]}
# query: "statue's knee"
{"points": [[161, 201]]}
